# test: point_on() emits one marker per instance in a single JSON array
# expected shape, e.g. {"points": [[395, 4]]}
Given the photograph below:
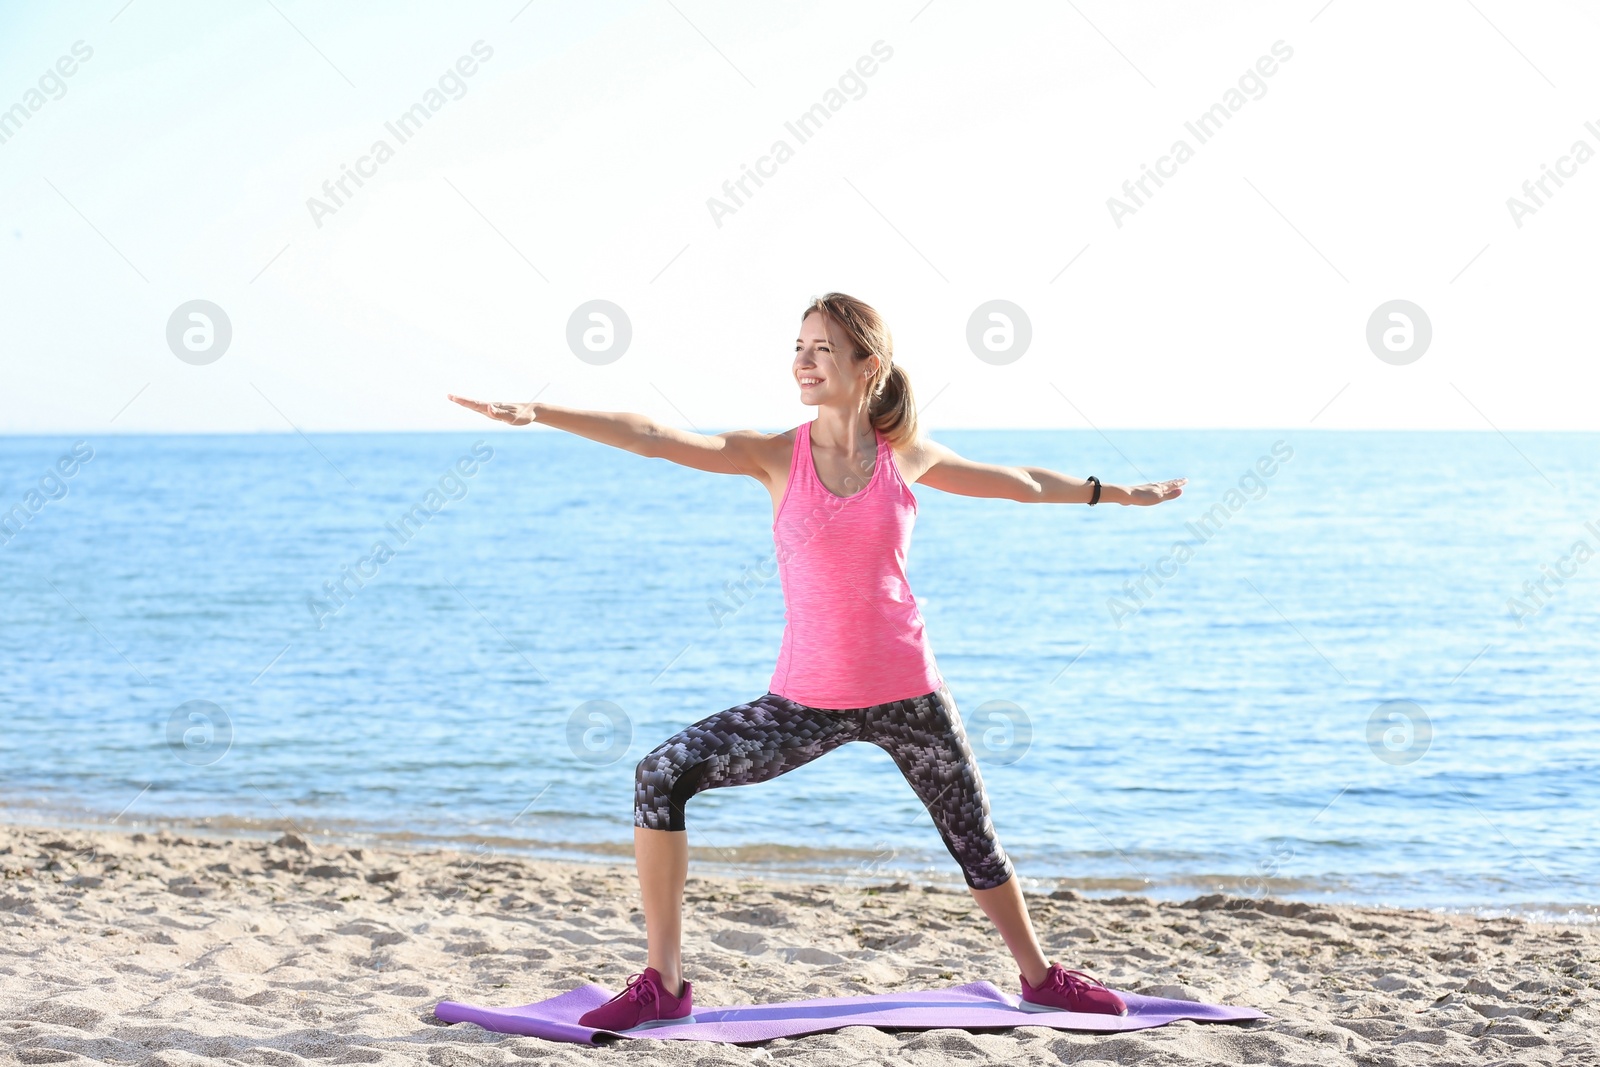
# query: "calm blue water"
{"points": [[1222, 736]]}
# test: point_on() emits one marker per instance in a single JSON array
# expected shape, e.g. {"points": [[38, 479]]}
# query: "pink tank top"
{"points": [[852, 634]]}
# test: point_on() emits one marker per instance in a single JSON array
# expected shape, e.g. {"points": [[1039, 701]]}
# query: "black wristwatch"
{"points": [[1093, 500]]}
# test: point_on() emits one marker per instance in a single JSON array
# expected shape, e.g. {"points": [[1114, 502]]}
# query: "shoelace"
{"points": [[1061, 978], [639, 989]]}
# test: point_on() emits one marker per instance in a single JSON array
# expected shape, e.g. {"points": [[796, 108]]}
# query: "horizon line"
{"points": [[23, 435]]}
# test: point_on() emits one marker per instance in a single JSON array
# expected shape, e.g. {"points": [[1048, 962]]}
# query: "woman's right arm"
{"points": [[734, 452]]}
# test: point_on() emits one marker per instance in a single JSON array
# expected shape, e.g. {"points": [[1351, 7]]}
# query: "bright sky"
{"points": [[1360, 152]]}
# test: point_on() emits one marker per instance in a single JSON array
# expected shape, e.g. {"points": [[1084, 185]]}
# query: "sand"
{"points": [[163, 948]]}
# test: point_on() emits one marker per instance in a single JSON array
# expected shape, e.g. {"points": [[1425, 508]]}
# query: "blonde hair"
{"points": [[892, 408]]}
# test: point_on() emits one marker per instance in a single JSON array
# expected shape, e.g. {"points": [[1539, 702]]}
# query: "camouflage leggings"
{"points": [[760, 740]]}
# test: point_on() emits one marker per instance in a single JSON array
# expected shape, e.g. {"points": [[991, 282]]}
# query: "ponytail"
{"points": [[894, 409]]}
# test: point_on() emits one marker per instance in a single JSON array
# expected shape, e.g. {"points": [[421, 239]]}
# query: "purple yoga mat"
{"points": [[971, 1006]]}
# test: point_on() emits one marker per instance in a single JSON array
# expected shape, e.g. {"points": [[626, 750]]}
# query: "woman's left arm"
{"points": [[945, 470]]}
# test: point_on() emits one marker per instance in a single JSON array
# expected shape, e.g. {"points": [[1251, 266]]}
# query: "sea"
{"points": [[1342, 667]]}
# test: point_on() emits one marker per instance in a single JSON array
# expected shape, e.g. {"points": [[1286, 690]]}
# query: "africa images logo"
{"points": [[402, 129]]}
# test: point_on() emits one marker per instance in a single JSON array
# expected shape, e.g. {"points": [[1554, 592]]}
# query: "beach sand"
{"points": [[168, 948]]}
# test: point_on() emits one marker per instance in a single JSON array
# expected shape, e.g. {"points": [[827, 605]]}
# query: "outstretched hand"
{"points": [[1156, 492], [515, 414]]}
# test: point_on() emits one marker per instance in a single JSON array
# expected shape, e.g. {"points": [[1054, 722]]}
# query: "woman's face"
{"points": [[827, 374]]}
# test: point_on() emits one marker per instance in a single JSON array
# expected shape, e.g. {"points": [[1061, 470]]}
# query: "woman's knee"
{"points": [[663, 782], [654, 779]]}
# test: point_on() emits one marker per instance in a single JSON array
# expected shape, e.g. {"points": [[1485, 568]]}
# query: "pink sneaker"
{"points": [[644, 1003], [1064, 990]]}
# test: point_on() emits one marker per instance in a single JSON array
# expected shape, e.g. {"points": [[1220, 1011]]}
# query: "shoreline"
{"points": [[118, 944], [785, 863]]}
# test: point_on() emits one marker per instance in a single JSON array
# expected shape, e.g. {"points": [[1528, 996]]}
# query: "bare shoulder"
{"points": [[747, 452], [940, 467], [764, 456], [918, 456]]}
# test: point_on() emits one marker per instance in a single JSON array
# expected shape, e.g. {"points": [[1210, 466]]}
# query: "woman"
{"points": [[854, 664]]}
